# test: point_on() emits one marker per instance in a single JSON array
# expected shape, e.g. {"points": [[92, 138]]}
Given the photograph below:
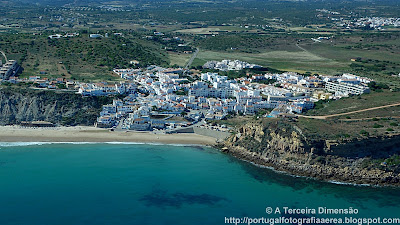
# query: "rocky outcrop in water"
{"points": [[285, 148], [20, 104]]}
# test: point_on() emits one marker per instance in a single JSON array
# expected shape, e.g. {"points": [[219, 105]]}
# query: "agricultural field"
{"points": [[296, 61], [373, 55], [211, 30]]}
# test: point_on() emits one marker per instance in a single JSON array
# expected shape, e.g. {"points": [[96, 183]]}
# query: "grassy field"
{"points": [[298, 61], [179, 59], [340, 53], [338, 129], [391, 112], [211, 30], [355, 103], [332, 129], [377, 56], [208, 30], [314, 29], [374, 55]]}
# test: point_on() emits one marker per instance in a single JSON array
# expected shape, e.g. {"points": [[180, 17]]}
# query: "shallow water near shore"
{"points": [[125, 183]]}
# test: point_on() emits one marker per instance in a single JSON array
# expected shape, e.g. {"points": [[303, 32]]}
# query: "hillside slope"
{"points": [[81, 57]]}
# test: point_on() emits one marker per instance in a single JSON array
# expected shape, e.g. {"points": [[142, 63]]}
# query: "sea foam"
{"points": [[17, 144]]}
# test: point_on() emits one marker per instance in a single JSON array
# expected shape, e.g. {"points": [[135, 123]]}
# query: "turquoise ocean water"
{"points": [[125, 184]]}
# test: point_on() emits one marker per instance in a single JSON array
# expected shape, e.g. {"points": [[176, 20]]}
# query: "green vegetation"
{"points": [[313, 129], [296, 61], [375, 55], [377, 87], [275, 34], [79, 57], [343, 105], [393, 160], [179, 59], [267, 81], [181, 92], [248, 43], [61, 86], [375, 58]]}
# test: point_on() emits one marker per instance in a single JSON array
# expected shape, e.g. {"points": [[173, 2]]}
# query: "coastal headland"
{"points": [[372, 161]]}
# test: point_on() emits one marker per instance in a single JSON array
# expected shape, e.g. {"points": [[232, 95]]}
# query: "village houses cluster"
{"points": [[45, 82], [167, 98], [351, 22], [229, 65], [378, 23], [156, 94]]}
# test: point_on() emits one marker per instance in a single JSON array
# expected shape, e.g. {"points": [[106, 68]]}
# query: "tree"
{"points": [[61, 86]]}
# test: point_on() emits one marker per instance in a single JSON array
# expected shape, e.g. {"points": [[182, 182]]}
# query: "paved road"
{"points": [[342, 114], [192, 58], [181, 128]]}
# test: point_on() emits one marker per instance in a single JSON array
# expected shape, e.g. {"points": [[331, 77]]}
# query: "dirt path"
{"points": [[369, 118], [342, 114], [305, 50], [62, 70], [192, 58], [301, 48]]}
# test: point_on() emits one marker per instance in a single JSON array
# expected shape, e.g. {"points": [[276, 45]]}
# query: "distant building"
{"points": [[229, 65], [95, 36], [346, 88], [55, 36], [321, 95], [134, 62], [9, 69], [58, 36]]}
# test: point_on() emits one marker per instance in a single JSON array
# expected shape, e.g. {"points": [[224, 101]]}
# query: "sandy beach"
{"points": [[92, 134]]}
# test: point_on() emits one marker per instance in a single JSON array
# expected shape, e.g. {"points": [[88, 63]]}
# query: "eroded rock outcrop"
{"points": [[284, 148], [18, 104]]}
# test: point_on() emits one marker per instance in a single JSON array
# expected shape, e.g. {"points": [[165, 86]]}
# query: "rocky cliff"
{"points": [[284, 147], [20, 104]]}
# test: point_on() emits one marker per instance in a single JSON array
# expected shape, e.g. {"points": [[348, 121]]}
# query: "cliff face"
{"points": [[18, 105], [285, 148]]}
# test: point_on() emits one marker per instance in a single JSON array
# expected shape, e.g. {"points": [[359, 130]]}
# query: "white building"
{"points": [[346, 88]]}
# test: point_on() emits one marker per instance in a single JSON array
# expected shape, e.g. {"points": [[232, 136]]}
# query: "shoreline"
{"points": [[99, 135], [296, 170], [285, 172], [287, 150], [292, 174], [83, 134]]}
